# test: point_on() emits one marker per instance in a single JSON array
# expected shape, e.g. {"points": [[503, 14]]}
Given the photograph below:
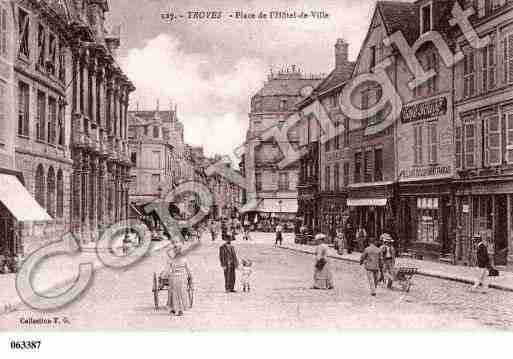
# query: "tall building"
{"points": [[157, 152], [63, 127], [274, 188]]}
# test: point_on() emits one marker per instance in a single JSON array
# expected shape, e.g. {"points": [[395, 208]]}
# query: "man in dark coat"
{"points": [[229, 263], [483, 262]]}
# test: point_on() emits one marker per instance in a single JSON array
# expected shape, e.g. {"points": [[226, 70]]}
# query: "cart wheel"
{"points": [[155, 291]]}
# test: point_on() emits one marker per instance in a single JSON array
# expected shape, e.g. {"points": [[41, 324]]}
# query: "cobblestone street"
{"points": [[281, 298]]}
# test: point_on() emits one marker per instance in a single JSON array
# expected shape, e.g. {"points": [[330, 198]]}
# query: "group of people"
{"points": [[227, 228], [379, 263]]}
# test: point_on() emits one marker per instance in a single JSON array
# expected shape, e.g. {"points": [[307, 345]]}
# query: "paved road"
{"points": [[280, 299]]}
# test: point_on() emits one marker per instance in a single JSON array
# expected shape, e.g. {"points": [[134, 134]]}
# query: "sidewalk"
{"points": [[444, 271], [57, 273]]}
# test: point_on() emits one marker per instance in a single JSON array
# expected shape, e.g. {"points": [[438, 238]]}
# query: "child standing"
{"points": [[246, 274]]}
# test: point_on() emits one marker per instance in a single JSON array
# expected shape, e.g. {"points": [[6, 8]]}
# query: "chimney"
{"points": [[341, 54]]}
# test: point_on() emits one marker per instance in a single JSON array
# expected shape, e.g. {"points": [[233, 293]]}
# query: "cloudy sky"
{"points": [[211, 68]]}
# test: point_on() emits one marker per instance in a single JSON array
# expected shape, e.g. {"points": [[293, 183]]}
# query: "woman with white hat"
{"points": [[180, 282]]}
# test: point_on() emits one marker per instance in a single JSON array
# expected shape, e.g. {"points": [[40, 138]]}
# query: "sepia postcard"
{"points": [[255, 165]]}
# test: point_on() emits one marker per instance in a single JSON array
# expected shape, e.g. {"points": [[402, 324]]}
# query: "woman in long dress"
{"points": [[322, 272], [180, 278]]}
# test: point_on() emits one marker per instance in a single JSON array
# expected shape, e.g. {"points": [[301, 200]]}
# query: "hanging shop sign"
{"points": [[423, 110]]}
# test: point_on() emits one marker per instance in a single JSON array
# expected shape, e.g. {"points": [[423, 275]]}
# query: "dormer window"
{"points": [[426, 18]]}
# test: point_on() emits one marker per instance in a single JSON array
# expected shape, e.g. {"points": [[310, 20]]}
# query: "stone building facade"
{"points": [[274, 188]]}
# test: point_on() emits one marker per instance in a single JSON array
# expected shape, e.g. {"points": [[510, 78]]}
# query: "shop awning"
{"points": [[272, 205], [19, 201], [364, 202]]}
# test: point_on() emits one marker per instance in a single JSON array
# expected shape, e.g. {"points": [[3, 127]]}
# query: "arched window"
{"points": [[40, 185], [50, 193], [60, 194]]}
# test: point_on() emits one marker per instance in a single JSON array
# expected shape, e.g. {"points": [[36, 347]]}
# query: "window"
{"points": [[283, 181], [155, 132], [417, 145], [52, 119], [493, 141], [469, 76], [60, 195], [3, 32], [50, 193], [368, 166], [372, 58], [40, 186], [507, 46], [258, 181], [364, 99], [24, 32], [52, 55], [378, 164], [509, 136], [346, 133], [145, 128], [62, 62], [488, 70], [327, 145], [427, 217], [23, 109], [155, 179], [346, 174], [327, 179], [41, 46], [336, 175], [357, 167], [432, 142], [337, 142], [61, 127], [41, 116], [283, 105], [470, 144], [425, 19], [133, 158], [432, 64], [459, 147], [156, 159]]}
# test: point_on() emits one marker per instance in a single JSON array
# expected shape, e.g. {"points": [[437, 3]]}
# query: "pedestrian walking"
{"points": [[180, 282], [388, 253], [483, 264], [322, 276], [361, 238], [372, 260], [246, 275], [229, 263], [279, 234]]}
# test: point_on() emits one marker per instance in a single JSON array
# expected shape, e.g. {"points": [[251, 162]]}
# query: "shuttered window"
{"points": [[469, 76], [328, 175], [493, 140], [336, 175], [432, 142], [459, 147], [368, 167], [509, 136], [3, 32], [417, 145], [488, 67], [470, 144]]}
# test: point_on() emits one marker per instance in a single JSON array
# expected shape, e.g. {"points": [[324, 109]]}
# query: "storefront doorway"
{"points": [[501, 230], [7, 238]]}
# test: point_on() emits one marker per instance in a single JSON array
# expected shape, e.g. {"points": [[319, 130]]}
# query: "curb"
{"points": [[97, 264], [420, 271]]}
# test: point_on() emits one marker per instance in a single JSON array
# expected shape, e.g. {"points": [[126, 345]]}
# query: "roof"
{"points": [[165, 116], [335, 78], [286, 86], [400, 16]]}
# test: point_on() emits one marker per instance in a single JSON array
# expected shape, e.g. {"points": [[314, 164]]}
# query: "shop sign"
{"points": [[334, 156], [434, 171], [427, 109]]}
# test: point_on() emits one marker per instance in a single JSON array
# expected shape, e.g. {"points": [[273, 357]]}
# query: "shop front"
{"points": [[333, 207], [425, 219], [372, 207], [485, 210]]}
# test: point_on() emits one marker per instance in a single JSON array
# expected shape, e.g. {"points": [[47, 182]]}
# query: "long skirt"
{"points": [[323, 278], [178, 294]]}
